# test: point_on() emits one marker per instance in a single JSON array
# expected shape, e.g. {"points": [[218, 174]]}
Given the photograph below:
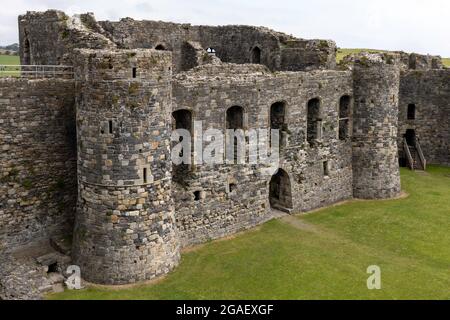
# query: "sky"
{"points": [[421, 26]]}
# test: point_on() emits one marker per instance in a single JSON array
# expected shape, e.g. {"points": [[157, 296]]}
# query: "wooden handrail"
{"points": [[408, 154], [421, 155]]}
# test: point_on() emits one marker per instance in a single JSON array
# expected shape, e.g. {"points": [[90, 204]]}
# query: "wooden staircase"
{"points": [[414, 155]]}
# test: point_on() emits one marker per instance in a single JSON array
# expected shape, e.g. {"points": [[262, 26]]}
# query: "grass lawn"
{"points": [[4, 59], [322, 255], [345, 52], [9, 60], [446, 62]]}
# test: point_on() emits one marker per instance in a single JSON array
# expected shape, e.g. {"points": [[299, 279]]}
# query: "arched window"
{"points": [[314, 123], [160, 47], [235, 121], [256, 55], [280, 194], [235, 118], [344, 117], [411, 114], [181, 119], [277, 120]]}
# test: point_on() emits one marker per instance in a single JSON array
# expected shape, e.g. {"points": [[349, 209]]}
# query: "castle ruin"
{"points": [[88, 155]]}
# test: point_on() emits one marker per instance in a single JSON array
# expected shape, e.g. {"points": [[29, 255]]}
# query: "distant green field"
{"points": [[9, 60], [446, 61], [4, 59], [345, 52]]}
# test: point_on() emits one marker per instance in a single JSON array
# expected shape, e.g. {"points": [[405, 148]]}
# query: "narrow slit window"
{"points": [[110, 126], [197, 195], [326, 170], [134, 72], [144, 175]]}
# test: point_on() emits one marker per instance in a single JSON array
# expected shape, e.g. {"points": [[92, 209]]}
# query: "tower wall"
{"points": [[37, 160], [429, 92], [125, 228], [375, 158]]}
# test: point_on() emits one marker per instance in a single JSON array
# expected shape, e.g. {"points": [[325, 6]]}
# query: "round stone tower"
{"points": [[125, 228], [375, 156]]}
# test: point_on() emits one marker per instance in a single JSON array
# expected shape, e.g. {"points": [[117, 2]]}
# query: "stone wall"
{"points": [[37, 160], [233, 198], [232, 44], [49, 38], [429, 92], [125, 227]]}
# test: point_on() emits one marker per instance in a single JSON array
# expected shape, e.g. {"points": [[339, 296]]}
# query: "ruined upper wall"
{"points": [[234, 43], [48, 38], [406, 61]]}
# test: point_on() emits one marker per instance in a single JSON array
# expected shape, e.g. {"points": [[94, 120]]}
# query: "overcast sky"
{"points": [[421, 26]]}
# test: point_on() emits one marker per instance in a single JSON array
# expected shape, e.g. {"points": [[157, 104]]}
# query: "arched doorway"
{"points": [[278, 121], [182, 119], [256, 55], [235, 121], [410, 137], [280, 195]]}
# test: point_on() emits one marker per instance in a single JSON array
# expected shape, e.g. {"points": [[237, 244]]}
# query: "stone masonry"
{"points": [[89, 158]]}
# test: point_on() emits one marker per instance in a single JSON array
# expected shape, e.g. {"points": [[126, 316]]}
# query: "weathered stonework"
{"points": [[37, 160], [375, 157], [125, 227], [135, 81], [429, 92]]}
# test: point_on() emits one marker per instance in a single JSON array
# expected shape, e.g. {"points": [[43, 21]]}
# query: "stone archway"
{"points": [[256, 55], [280, 194]]}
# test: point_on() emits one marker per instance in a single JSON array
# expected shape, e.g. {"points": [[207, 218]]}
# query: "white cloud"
{"points": [[410, 25]]}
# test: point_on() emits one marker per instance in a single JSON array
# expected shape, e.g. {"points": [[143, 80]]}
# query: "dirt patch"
{"points": [[298, 224]]}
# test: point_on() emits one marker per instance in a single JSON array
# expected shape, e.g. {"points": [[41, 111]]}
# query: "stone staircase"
{"points": [[34, 270]]}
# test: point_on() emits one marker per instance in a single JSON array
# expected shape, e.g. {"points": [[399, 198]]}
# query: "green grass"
{"points": [[408, 238], [9, 60], [446, 62], [345, 52], [4, 59]]}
